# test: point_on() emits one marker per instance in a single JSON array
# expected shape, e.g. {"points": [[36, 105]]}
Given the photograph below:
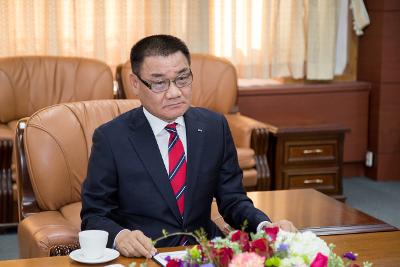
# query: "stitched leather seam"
{"points": [[62, 152], [98, 77]]}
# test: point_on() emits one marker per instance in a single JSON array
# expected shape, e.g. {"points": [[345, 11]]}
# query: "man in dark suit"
{"points": [[160, 166]]}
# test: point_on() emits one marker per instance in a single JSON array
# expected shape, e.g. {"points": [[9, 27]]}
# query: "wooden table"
{"points": [[382, 249], [312, 210]]}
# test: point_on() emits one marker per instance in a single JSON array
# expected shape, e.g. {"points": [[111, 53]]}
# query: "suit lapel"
{"points": [[145, 144], [195, 136]]}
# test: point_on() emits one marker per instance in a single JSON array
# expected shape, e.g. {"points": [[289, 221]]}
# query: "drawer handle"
{"points": [[312, 151], [313, 181]]}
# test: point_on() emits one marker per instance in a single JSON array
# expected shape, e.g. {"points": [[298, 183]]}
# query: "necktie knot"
{"points": [[171, 128]]}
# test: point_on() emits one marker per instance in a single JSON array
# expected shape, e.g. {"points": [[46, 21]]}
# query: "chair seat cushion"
{"points": [[71, 213], [246, 158]]}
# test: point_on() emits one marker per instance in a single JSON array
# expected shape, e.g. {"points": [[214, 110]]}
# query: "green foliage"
{"points": [[245, 225], [273, 262]]}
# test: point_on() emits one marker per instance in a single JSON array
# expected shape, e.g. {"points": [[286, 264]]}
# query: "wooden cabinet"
{"points": [[307, 157]]}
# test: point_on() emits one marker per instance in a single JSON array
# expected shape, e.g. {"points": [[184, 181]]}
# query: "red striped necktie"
{"points": [[177, 166]]}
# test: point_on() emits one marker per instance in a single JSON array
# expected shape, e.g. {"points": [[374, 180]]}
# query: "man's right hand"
{"points": [[134, 244]]}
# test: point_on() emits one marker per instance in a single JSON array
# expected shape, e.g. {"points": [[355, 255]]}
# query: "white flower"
{"points": [[301, 245], [293, 261]]}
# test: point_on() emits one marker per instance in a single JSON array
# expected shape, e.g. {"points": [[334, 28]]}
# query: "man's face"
{"points": [[172, 103]]}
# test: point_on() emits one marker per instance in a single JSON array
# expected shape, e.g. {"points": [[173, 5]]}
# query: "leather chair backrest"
{"points": [[58, 141], [29, 83], [214, 82]]}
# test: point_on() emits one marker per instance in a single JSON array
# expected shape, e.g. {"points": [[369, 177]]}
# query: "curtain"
{"points": [[276, 38], [263, 38], [102, 29]]}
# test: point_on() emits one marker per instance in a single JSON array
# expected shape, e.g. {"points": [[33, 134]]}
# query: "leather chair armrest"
{"points": [[6, 147], [120, 93], [41, 232], [27, 203], [6, 184], [63, 250], [251, 133], [242, 127]]}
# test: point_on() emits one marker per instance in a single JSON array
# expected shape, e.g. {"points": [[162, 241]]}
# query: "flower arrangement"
{"points": [[270, 247]]}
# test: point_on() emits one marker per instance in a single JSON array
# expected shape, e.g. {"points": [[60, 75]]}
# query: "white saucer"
{"points": [[109, 255]]}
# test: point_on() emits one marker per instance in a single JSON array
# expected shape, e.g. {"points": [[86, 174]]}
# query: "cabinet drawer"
{"points": [[310, 151], [324, 180]]}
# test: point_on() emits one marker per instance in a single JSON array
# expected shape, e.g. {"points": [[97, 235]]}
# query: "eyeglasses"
{"points": [[181, 81]]}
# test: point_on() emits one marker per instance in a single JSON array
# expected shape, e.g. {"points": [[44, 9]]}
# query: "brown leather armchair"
{"points": [[29, 83], [215, 87], [53, 148]]}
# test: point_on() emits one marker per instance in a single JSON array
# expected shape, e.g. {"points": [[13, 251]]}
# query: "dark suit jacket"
{"points": [[127, 184]]}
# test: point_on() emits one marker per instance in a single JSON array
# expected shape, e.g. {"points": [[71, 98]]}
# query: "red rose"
{"points": [[242, 238], [272, 232], [222, 255], [261, 247], [320, 261], [236, 236], [173, 263]]}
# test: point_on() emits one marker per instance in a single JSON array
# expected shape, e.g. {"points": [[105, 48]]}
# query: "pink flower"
{"points": [[247, 259], [272, 232], [320, 261]]}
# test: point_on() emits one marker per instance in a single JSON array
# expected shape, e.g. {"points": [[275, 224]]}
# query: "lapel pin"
{"points": [[200, 130]]}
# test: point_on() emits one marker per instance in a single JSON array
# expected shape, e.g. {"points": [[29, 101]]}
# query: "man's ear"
{"points": [[134, 81]]}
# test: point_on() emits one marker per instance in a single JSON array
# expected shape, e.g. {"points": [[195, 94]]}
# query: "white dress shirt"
{"points": [[162, 136]]}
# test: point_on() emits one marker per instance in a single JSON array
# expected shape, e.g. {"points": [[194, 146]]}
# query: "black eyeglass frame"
{"points": [[149, 85]]}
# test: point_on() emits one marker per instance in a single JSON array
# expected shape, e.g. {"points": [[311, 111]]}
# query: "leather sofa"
{"points": [[215, 87], [30, 83]]}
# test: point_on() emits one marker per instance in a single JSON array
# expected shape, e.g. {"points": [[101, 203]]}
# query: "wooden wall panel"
{"points": [[379, 62], [391, 47], [300, 105], [373, 126], [387, 166], [370, 49], [389, 118], [382, 5]]}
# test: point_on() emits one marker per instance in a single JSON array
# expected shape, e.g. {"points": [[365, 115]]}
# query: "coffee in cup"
{"points": [[93, 243]]}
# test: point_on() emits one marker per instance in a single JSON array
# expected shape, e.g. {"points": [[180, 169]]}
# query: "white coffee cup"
{"points": [[93, 243]]}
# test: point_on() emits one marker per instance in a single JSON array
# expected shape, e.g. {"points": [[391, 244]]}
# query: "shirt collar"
{"points": [[157, 124]]}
